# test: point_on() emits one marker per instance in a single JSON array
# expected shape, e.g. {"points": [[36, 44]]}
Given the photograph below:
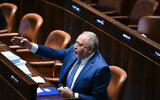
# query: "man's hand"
{"points": [[66, 92], [23, 42]]}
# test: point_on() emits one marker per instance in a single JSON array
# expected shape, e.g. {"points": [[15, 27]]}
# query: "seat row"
{"points": [[141, 18]]}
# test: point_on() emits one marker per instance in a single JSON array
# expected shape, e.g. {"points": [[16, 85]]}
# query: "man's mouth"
{"points": [[75, 52]]}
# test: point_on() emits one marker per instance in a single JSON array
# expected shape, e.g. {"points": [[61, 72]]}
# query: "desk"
{"points": [[15, 84]]}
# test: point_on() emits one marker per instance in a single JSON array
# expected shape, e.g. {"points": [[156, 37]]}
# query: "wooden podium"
{"points": [[15, 84]]}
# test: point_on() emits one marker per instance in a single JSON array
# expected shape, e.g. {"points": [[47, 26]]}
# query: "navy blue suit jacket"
{"points": [[92, 82]]}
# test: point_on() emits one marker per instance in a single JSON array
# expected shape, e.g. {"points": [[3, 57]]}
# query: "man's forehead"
{"points": [[83, 36], [82, 39]]}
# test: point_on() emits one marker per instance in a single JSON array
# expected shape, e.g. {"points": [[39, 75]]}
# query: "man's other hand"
{"points": [[65, 92], [22, 42]]}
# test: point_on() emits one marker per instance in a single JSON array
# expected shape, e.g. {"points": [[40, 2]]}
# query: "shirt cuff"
{"points": [[34, 48], [76, 95]]}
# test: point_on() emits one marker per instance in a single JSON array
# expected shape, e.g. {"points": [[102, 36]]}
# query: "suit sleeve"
{"points": [[49, 53], [100, 84]]}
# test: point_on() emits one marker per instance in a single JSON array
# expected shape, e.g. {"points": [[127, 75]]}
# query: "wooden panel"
{"points": [[8, 91], [142, 74], [17, 80]]}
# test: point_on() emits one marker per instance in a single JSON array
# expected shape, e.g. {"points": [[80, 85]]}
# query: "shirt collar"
{"points": [[85, 60]]}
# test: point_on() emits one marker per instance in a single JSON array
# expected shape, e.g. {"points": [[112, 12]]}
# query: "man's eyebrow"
{"points": [[79, 43]]}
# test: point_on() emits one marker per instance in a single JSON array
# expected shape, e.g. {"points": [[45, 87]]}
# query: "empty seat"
{"points": [[29, 27], [109, 7], [140, 9], [9, 11], [116, 85], [149, 26]]}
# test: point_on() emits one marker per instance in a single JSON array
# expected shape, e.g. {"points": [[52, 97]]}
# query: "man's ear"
{"points": [[90, 50]]}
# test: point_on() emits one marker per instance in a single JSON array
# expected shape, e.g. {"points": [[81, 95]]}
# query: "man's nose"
{"points": [[75, 46]]}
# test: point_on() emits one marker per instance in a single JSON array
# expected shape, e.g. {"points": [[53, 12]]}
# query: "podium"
{"points": [[15, 84]]}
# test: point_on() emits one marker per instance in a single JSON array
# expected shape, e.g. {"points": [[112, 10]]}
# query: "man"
{"points": [[3, 23], [92, 76]]}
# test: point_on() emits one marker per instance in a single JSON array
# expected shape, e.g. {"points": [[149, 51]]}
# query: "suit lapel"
{"points": [[67, 67], [69, 64], [89, 65]]}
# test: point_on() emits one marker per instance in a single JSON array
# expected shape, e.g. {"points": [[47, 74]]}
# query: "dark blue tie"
{"points": [[72, 73]]}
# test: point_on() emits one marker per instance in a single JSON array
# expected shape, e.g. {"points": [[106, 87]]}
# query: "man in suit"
{"points": [[3, 23], [92, 76]]}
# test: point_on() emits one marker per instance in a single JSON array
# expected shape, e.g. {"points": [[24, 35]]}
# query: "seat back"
{"points": [[142, 8], [118, 78], [30, 26], [10, 13], [57, 39], [110, 5], [149, 25]]}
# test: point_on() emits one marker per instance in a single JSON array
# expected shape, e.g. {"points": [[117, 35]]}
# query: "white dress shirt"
{"points": [[34, 48], [81, 66]]}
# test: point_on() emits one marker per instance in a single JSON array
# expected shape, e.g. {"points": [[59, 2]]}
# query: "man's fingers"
{"points": [[16, 39], [23, 41], [13, 39]]}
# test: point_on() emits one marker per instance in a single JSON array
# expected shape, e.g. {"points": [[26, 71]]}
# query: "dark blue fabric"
{"points": [[52, 91], [72, 73]]}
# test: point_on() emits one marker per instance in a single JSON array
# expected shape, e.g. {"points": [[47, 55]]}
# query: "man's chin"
{"points": [[76, 54]]}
